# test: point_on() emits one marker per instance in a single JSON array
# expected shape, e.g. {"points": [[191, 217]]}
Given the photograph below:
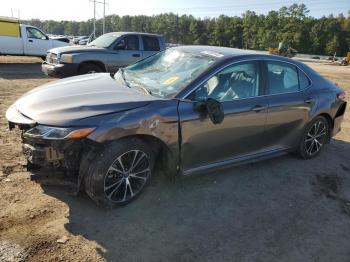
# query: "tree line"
{"points": [[292, 24]]}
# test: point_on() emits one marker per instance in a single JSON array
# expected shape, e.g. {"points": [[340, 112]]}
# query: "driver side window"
{"points": [[130, 42], [35, 33], [237, 81]]}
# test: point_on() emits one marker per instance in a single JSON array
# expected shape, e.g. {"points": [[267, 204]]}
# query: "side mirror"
{"points": [[211, 107]]}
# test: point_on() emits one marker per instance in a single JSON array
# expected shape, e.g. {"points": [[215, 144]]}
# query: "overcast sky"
{"points": [[83, 9]]}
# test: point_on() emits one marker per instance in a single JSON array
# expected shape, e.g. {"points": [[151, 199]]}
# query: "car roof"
{"points": [[218, 51], [128, 33], [224, 54]]}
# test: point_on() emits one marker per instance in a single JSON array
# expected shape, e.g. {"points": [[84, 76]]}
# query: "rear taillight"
{"points": [[341, 95]]}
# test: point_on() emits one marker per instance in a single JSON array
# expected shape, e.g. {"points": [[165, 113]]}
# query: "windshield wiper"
{"points": [[146, 90], [123, 76], [149, 92]]}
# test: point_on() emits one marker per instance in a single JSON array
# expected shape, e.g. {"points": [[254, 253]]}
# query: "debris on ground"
{"points": [[62, 240]]}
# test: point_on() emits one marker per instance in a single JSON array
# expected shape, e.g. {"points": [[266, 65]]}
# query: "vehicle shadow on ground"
{"points": [[268, 211], [15, 71]]}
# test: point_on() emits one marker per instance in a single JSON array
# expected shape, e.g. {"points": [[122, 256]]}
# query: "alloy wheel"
{"points": [[316, 137], [127, 176]]}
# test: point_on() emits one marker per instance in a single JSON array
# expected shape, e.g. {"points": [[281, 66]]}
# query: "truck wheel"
{"points": [[119, 172], [89, 69]]}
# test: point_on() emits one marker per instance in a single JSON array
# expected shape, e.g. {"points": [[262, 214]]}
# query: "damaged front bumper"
{"points": [[63, 154], [50, 146]]}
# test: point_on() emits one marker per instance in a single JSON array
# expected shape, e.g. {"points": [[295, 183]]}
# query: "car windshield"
{"points": [[166, 73], [105, 40]]}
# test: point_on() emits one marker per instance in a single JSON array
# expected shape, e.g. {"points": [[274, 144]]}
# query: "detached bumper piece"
{"points": [[63, 154], [338, 120], [16, 118]]}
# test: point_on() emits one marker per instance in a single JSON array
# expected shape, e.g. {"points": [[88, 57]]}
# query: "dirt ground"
{"points": [[283, 209]]}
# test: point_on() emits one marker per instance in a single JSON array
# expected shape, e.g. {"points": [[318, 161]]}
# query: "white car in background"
{"points": [[19, 39]]}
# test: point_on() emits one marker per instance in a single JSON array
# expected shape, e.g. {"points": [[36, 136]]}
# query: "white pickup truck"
{"points": [[19, 39]]}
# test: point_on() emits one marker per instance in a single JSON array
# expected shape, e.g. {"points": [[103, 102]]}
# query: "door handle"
{"points": [[258, 108], [30, 40], [308, 100], [136, 55]]}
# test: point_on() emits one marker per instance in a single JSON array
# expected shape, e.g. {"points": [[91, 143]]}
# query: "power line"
{"points": [[259, 7], [248, 6]]}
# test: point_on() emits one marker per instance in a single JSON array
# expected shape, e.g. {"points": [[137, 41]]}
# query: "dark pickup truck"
{"points": [[107, 53]]}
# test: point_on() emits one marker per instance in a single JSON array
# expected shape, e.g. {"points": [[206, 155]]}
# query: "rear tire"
{"points": [[89, 68], [315, 136], [119, 172]]}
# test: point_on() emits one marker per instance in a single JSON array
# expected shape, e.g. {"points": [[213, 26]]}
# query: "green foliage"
{"points": [[291, 24]]}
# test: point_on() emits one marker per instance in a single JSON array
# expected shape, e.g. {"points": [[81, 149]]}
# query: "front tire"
{"points": [[119, 172], [315, 136]]}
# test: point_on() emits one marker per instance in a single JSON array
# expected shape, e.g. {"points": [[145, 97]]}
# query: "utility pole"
{"points": [[104, 14], [18, 12], [94, 32]]}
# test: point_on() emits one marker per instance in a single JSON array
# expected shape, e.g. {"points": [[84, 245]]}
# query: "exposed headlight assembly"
{"points": [[66, 58], [58, 133]]}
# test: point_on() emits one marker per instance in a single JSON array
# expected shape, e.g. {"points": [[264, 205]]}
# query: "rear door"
{"points": [[290, 103], [150, 44], [37, 43], [126, 51]]}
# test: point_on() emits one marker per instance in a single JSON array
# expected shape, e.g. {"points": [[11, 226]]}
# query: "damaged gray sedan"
{"points": [[189, 109]]}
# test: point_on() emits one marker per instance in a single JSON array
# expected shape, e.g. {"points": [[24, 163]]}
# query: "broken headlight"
{"points": [[49, 132]]}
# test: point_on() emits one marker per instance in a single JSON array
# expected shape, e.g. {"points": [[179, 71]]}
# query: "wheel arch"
{"points": [[94, 62], [328, 118], [165, 158]]}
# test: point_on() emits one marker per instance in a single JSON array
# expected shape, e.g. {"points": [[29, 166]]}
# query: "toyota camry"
{"points": [[188, 109]]}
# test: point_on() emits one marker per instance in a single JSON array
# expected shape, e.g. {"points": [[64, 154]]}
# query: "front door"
{"points": [[37, 43], [240, 134], [125, 52]]}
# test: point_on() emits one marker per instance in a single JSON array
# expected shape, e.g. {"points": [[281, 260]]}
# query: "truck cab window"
{"points": [[35, 33], [130, 42], [150, 43]]}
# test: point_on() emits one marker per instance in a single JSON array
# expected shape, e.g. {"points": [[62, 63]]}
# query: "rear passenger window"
{"points": [[304, 81], [282, 78], [150, 43]]}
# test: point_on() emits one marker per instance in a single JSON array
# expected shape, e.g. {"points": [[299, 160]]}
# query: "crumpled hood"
{"points": [[63, 102], [76, 49]]}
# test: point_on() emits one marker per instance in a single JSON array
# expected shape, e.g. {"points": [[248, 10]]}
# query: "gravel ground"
{"points": [[283, 209]]}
